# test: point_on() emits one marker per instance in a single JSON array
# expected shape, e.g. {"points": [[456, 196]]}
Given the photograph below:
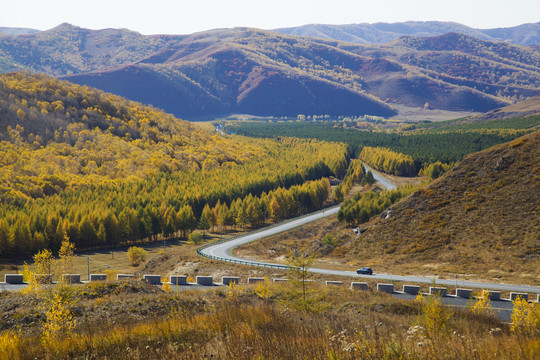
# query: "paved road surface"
{"points": [[380, 179]]}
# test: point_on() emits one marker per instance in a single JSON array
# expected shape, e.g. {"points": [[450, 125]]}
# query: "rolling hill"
{"points": [[380, 33], [234, 71]]}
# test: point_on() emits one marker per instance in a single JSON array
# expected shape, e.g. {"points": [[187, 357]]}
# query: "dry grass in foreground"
{"points": [[135, 321]]}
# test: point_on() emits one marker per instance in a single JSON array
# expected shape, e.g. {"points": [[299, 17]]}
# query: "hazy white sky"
{"points": [[183, 17]]}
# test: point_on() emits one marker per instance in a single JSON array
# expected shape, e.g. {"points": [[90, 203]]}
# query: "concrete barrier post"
{"points": [[98, 277], [43, 278], [538, 298], [464, 293], [437, 291], [494, 295], [153, 279], [279, 280], [13, 278], [205, 280], [411, 289], [253, 280], [514, 295], [125, 276], [359, 285], [334, 282], [179, 280], [388, 288], [227, 280], [72, 278]]}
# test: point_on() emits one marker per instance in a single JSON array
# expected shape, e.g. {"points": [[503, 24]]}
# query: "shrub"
{"points": [[526, 317], [136, 255], [9, 345], [434, 315], [111, 274], [195, 238], [482, 306]]}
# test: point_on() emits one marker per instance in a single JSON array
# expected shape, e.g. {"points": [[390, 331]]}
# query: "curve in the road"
{"points": [[221, 250]]}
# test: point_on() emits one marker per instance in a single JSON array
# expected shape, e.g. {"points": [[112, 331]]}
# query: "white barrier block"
{"points": [[43, 278], [278, 280], [494, 295], [124, 276], [205, 280], [72, 278], [153, 279], [514, 295], [227, 280], [98, 277], [253, 280], [464, 293], [13, 278], [334, 282], [411, 289], [389, 288], [359, 286], [179, 280], [437, 291]]}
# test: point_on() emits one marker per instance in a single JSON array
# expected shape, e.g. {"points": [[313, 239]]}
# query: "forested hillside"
{"points": [[248, 71], [102, 170]]}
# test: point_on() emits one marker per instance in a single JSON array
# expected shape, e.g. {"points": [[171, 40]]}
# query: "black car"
{"points": [[365, 270]]}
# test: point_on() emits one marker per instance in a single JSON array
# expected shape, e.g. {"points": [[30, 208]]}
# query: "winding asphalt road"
{"points": [[223, 251]]}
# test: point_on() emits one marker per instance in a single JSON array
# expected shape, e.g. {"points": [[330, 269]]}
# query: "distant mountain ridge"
{"points": [[380, 33], [250, 71], [16, 31]]}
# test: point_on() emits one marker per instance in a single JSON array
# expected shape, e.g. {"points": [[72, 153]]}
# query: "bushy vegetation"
{"points": [[355, 174], [388, 161], [136, 255], [362, 206], [434, 170]]}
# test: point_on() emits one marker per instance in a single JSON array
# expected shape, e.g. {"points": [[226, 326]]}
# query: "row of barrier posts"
{"points": [[227, 280]]}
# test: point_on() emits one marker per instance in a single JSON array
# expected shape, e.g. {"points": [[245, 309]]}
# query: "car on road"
{"points": [[365, 271]]}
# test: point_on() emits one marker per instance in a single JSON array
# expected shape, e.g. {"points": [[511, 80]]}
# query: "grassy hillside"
{"points": [[130, 320], [481, 219], [531, 105], [235, 71]]}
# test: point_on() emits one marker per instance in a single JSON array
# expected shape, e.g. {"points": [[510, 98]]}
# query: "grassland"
{"points": [[132, 320]]}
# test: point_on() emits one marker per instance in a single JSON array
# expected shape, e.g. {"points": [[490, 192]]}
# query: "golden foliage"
{"points": [[525, 317], [434, 315], [136, 255]]}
